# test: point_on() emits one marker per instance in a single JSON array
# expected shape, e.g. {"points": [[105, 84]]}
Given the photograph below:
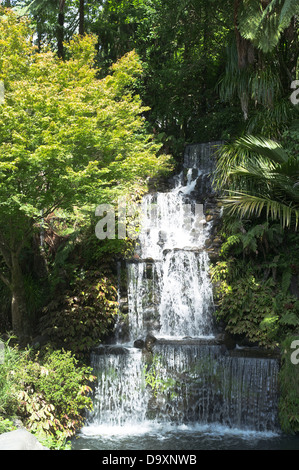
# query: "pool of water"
{"points": [[180, 438]]}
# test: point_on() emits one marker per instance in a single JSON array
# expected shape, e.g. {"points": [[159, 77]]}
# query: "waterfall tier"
{"points": [[183, 375]]}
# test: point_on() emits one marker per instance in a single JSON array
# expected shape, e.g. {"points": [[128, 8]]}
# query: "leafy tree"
{"points": [[260, 180], [67, 139], [182, 47], [180, 44], [261, 63], [264, 22], [54, 21]]}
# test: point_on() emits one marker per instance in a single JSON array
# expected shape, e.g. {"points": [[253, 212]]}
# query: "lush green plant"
{"points": [[49, 394], [8, 395], [259, 180], [245, 238], [289, 389], [156, 381], [67, 139], [264, 25], [83, 314], [6, 425], [254, 281], [246, 306]]}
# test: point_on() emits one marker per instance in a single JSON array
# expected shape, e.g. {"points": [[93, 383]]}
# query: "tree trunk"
{"points": [[18, 301], [81, 18], [60, 29], [245, 48]]}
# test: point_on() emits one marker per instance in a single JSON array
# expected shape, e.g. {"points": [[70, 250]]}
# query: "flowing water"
{"points": [[179, 389]]}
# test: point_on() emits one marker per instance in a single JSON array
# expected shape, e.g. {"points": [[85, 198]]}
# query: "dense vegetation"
{"points": [[98, 94]]}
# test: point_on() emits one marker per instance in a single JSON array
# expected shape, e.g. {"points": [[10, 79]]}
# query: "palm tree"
{"points": [[257, 178], [263, 22], [261, 61]]}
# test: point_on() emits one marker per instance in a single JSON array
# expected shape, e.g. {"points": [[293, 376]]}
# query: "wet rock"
{"points": [[139, 344], [226, 339], [149, 342], [110, 349]]}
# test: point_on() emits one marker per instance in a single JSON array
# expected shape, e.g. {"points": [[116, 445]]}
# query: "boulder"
{"points": [[20, 440], [139, 344], [149, 342]]}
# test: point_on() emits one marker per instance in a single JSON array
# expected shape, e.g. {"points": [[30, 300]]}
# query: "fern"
{"points": [[231, 242], [289, 319], [259, 179]]}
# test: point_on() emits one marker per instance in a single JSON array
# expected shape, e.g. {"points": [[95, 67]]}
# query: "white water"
{"points": [[121, 394], [170, 296], [177, 299]]}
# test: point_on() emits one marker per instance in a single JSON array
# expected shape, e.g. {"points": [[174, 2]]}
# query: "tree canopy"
{"points": [[67, 139], [97, 92]]}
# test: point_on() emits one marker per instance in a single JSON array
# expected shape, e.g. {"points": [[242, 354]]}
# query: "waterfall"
{"points": [[183, 375], [177, 291], [208, 386], [121, 394]]}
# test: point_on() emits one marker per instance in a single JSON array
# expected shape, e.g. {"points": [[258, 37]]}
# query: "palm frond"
{"points": [[265, 147], [264, 26], [289, 9], [248, 205]]}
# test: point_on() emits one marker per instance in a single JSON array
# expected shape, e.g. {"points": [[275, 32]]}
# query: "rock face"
{"points": [[20, 440]]}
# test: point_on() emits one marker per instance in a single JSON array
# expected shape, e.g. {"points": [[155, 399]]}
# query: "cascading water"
{"points": [[177, 291], [209, 386], [121, 392], [184, 376]]}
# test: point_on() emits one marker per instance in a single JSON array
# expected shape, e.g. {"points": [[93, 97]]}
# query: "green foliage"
{"points": [[260, 63], [68, 140], [6, 425], [48, 394], [83, 315], [256, 280], [289, 389], [247, 306], [154, 378], [259, 178], [264, 26], [181, 47], [244, 238]]}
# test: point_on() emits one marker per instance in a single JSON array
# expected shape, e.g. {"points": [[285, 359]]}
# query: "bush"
{"points": [[250, 307], [83, 315], [49, 394], [289, 389]]}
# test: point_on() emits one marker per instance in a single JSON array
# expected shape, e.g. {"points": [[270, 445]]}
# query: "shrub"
{"points": [[49, 394], [289, 389], [83, 315], [53, 393], [247, 306]]}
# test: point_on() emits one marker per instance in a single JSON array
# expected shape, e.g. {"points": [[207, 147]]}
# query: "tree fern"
{"points": [[264, 27]]}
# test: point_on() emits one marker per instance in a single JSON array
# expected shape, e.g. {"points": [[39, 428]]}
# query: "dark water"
{"points": [[181, 438]]}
